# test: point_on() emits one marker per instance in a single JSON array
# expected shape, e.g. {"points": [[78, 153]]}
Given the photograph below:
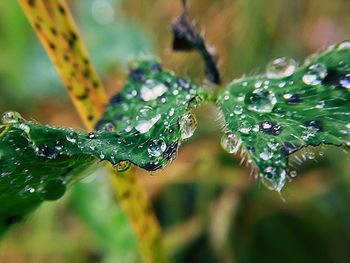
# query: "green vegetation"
{"points": [[280, 122]]}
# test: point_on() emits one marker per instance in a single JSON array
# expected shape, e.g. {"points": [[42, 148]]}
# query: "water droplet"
{"points": [[245, 127], [274, 178], [258, 84], [345, 81], [58, 146], [122, 166], [281, 67], [231, 143], [315, 74], [344, 45], [91, 135], [266, 154], [321, 104], [282, 84], [128, 128], [188, 125], [156, 148], [238, 109], [11, 117], [144, 126], [29, 189], [273, 144], [108, 127], [151, 90], [71, 137], [241, 97], [260, 100]]}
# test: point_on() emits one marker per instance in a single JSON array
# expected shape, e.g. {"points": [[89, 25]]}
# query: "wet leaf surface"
{"points": [[275, 115], [144, 124]]}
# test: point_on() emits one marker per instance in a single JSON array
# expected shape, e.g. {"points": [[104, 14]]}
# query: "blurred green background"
{"points": [[210, 209]]}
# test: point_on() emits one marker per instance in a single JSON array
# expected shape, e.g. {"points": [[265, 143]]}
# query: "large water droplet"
{"points": [[122, 166], [281, 67], [315, 74], [260, 100], [152, 90], [274, 178], [188, 125], [156, 148], [11, 117], [231, 143]]}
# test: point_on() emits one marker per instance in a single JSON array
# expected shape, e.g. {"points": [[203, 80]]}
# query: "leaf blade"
{"points": [[275, 117]]}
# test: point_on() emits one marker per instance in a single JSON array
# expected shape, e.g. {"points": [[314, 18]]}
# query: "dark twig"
{"points": [[186, 38]]}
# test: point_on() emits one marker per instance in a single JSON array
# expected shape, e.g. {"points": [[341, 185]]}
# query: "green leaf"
{"points": [[277, 114], [28, 178], [144, 124], [151, 115]]}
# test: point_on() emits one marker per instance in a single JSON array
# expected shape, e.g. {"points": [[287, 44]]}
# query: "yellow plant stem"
{"points": [[135, 202], [57, 32], [54, 25]]}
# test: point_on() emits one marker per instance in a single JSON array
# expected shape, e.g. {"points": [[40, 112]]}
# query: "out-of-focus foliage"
{"points": [[210, 210], [94, 201]]}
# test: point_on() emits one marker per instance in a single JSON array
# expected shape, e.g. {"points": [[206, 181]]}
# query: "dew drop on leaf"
{"points": [[188, 125], [260, 100], [70, 138], [238, 109], [281, 67], [345, 81], [108, 127], [91, 135], [151, 91], [266, 154], [315, 74], [274, 178], [144, 126], [344, 45], [230, 142], [11, 117], [156, 148]]}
